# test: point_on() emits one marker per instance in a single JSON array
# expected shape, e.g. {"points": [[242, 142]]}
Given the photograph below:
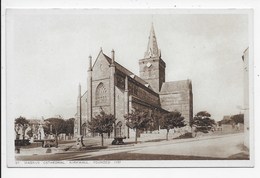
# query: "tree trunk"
{"points": [[81, 140], [136, 134], [102, 140], [23, 134], [167, 134], [56, 139]]}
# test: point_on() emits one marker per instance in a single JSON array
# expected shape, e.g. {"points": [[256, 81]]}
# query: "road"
{"points": [[204, 148]]}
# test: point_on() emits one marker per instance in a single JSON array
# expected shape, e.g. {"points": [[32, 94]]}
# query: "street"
{"points": [[204, 148]]}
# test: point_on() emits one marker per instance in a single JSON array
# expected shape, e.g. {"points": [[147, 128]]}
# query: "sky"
{"points": [[47, 55]]}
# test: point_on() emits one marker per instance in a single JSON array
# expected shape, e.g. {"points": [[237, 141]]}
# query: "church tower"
{"points": [[152, 67]]}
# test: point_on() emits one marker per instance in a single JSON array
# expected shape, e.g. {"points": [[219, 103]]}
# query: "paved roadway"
{"points": [[213, 147]]}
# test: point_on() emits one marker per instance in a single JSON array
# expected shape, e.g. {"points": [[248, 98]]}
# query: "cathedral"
{"points": [[116, 90]]}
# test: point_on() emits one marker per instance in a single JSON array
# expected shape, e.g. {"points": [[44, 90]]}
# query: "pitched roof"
{"points": [[126, 71], [226, 117], [84, 94], [174, 86]]}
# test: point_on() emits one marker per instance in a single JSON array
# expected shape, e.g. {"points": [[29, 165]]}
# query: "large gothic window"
{"points": [[101, 94]]}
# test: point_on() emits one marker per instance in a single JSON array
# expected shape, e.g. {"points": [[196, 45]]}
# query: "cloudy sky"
{"points": [[47, 55]]}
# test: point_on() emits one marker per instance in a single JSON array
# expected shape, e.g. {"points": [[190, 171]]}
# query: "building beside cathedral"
{"points": [[245, 59], [116, 90]]}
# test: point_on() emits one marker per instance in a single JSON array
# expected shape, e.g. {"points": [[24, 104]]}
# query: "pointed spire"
{"points": [[152, 48]]}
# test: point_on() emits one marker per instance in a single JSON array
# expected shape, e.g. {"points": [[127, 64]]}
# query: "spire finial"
{"points": [[113, 56], [90, 63], [79, 90]]}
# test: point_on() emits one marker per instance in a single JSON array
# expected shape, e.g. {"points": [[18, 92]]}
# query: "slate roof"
{"points": [[174, 86], [126, 71]]}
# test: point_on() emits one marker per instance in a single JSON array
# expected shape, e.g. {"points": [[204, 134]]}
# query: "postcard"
{"points": [[129, 88]]}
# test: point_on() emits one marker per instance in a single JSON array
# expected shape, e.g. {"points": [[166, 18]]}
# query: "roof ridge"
{"points": [[131, 73]]}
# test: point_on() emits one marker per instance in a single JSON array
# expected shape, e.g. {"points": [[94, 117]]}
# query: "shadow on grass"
{"points": [[139, 142], [94, 147], [89, 148], [184, 136], [239, 156], [32, 145], [155, 140]]}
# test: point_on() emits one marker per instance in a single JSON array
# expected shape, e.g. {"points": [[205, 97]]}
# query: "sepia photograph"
{"points": [[129, 88]]}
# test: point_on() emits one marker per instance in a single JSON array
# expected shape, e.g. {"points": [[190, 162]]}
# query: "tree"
{"points": [[238, 118], [21, 122], [202, 122], [57, 125], [138, 120], [69, 126], [102, 123], [172, 120]]}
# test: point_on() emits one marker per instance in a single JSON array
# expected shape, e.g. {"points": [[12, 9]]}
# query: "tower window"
{"points": [[101, 94]]}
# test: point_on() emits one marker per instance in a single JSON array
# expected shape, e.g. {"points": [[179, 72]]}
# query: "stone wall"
{"points": [[178, 96], [177, 101], [136, 89], [120, 110], [152, 70]]}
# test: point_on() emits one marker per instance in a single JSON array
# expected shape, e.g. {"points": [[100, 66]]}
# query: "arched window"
{"points": [[101, 94]]}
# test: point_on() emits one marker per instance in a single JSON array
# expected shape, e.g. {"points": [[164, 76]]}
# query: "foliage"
{"points": [[102, 123], [235, 119], [69, 126], [172, 120], [202, 122], [238, 118], [21, 123], [57, 125], [154, 124], [203, 114], [138, 120]]}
